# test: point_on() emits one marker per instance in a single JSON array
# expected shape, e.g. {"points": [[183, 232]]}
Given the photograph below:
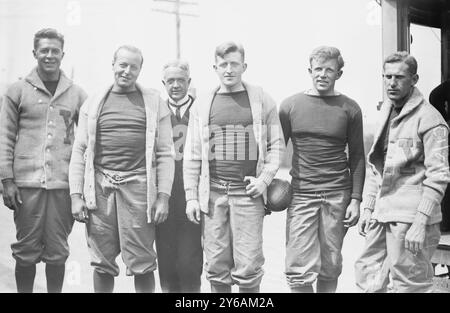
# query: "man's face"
{"points": [[49, 54], [398, 81], [230, 68], [176, 82], [324, 74], [126, 68]]}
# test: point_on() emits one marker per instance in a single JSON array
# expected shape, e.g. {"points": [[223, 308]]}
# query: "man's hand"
{"points": [[79, 208], [193, 211], [364, 223], [160, 209], [415, 236], [352, 213], [11, 194], [255, 187]]}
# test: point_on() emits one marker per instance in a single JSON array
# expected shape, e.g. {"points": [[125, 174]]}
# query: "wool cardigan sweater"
{"points": [[416, 172], [268, 135], [159, 155], [37, 132]]}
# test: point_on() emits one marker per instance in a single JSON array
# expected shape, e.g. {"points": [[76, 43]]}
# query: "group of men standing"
{"points": [[189, 175]]}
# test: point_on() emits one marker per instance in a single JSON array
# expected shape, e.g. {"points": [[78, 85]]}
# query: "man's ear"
{"points": [[215, 67], [62, 55], [415, 79], [309, 70], [244, 66], [189, 81], [339, 74], [34, 54], [163, 82]]}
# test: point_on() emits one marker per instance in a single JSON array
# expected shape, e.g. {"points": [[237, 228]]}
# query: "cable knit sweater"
{"points": [[416, 172], [37, 132]]}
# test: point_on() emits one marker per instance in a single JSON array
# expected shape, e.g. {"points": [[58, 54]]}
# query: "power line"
{"points": [[176, 11]]}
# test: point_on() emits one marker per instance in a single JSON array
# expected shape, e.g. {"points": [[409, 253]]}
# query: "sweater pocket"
{"points": [[25, 167]]}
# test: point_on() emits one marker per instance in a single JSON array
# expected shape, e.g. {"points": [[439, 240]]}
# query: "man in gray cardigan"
{"points": [[233, 150], [408, 176], [36, 136], [121, 174]]}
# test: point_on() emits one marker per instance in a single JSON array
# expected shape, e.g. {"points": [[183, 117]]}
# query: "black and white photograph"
{"points": [[247, 147]]}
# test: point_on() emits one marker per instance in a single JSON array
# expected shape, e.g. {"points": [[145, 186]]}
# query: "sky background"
{"points": [[278, 37]]}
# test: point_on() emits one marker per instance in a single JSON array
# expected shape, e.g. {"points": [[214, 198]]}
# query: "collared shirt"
{"points": [[183, 104]]}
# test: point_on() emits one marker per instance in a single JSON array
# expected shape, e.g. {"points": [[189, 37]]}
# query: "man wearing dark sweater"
{"points": [[328, 172], [36, 136], [178, 241], [233, 150]]}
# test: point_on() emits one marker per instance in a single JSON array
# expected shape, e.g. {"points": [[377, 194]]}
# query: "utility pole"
{"points": [[176, 6]]}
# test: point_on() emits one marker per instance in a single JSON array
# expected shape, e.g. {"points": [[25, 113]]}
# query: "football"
{"points": [[279, 195]]}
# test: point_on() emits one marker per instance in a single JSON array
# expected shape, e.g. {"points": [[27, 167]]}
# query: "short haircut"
{"points": [[405, 57], [49, 33], [327, 53], [128, 48], [180, 64], [228, 47]]}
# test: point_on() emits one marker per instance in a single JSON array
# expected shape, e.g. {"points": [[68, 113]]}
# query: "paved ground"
{"points": [[79, 272]]}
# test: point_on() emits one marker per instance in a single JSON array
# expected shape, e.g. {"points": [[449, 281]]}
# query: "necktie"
{"points": [[178, 109]]}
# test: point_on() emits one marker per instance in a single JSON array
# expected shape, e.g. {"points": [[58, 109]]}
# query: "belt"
{"points": [[121, 178]]}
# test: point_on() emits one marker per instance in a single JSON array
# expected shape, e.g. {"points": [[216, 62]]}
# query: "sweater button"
{"points": [[51, 107], [40, 100]]}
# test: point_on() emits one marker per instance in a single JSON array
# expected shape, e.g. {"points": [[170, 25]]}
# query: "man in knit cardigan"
{"points": [[408, 176], [36, 136], [121, 174], [233, 150]]}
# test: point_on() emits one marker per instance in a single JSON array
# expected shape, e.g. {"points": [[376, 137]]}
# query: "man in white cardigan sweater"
{"points": [[121, 174], [233, 150]]}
